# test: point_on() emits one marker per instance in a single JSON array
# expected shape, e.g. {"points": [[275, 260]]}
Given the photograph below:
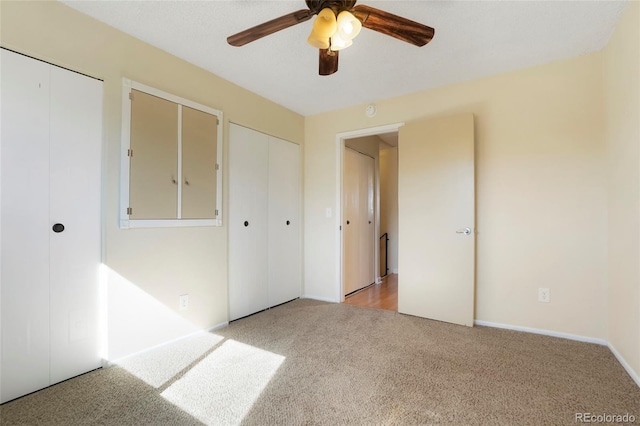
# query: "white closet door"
{"points": [[76, 144], [24, 227], [285, 271], [366, 222], [248, 188], [351, 219]]}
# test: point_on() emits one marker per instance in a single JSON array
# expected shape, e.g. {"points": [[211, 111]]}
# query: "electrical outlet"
{"points": [[544, 295], [184, 302]]}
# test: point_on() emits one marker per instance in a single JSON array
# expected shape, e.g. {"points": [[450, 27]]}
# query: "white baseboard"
{"points": [[625, 364], [321, 299], [543, 332], [395, 270], [218, 326], [109, 363], [634, 375]]}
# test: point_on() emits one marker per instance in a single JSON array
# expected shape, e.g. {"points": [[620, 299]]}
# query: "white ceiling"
{"points": [[473, 39]]}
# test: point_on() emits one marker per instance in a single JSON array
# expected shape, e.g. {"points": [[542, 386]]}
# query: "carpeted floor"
{"points": [[310, 362]]}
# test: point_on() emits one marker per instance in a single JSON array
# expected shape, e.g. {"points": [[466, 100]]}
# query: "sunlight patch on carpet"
{"points": [[160, 365], [222, 388]]}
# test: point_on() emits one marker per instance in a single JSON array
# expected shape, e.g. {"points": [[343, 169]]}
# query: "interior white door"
{"points": [[436, 202], [74, 201], [351, 231], [24, 226], [248, 227], [284, 254]]}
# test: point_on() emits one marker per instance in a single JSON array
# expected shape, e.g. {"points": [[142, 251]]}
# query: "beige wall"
{"points": [[541, 200], [164, 263], [622, 100], [389, 204]]}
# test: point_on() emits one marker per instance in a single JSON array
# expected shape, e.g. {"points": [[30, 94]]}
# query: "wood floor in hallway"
{"points": [[379, 296]]}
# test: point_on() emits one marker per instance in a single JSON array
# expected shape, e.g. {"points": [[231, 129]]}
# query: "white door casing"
{"points": [[436, 201]]}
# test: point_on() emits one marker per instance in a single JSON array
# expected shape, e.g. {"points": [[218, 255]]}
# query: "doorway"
{"points": [[370, 220], [436, 216]]}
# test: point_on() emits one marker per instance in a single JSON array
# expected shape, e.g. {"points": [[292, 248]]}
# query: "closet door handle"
{"points": [[186, 182], [347, 222], [288, 223], [246, 223], [57, 228]]}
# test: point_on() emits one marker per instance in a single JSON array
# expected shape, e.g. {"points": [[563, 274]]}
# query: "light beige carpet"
{"points": [[310, 362]]}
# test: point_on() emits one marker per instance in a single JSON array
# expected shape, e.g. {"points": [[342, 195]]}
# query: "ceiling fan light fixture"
{"points": [[348, 25], [336, 26], [320, 43], [339, 43], [324, 27]]}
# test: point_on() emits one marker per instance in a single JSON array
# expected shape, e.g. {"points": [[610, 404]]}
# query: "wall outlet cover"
{"points": [[544, 295], [184, 302]]}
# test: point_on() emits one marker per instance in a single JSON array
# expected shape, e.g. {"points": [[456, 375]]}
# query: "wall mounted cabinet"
{"points": [[172, 150]]}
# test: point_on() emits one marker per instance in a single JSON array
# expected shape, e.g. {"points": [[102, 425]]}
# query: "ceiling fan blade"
{"points": [[328, 61], [269, 27], [393, 25]]}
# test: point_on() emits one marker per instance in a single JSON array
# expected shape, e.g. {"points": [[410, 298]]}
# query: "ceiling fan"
{"points": [[338, 22]]}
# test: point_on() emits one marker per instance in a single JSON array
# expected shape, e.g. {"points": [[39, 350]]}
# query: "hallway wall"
{"points": [[389, 204]]}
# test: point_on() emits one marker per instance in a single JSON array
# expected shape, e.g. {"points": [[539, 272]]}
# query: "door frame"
{"points": [[340, 147]]}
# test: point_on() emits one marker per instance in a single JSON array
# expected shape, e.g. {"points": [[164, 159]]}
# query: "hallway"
{"points": [[378, 296]]}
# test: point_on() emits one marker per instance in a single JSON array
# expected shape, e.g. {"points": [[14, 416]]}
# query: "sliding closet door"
{"points": [[366, 221], [285, 270], [248, 203], [351, 219], [359, 223], [24, 228], [76, 144]]}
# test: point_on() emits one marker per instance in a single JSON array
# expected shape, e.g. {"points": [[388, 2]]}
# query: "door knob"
{"points": [[246, 223], [347, 222], [465, 231], [288, 222], [58, 227]]}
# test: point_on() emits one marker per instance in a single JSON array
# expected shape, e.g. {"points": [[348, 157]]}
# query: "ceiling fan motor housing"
{"points": [[336, 5]]}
